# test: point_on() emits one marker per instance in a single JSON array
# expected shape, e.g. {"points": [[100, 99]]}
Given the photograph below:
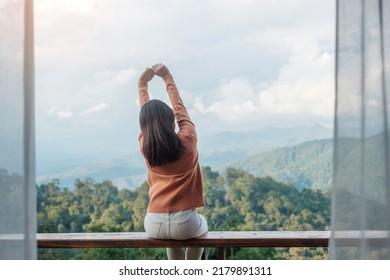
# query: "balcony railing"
{"points": [[218, 239]]}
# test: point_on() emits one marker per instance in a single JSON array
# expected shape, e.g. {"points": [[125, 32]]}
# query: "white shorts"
{"points": [[180, 225]]}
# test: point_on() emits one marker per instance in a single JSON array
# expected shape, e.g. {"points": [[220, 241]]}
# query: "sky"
{"points": [[239, 65]]}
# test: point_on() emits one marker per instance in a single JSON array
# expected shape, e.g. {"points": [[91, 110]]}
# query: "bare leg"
{"points": [[195, 253], [176, 253]]}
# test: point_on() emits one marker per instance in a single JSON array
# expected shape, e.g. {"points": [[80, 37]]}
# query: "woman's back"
{"points": [[174, 185]]}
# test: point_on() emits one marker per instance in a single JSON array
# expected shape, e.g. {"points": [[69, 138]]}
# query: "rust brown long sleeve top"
{"points": [[177, 185]]}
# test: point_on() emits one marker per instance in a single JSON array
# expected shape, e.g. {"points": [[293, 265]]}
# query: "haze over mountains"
{"points": [[259, 152]]}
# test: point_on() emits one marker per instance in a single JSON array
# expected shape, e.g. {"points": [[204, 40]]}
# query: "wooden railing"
{"points": [[217, 239]]}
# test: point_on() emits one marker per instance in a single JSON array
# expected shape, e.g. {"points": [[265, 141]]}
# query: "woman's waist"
{"points": [[171, 216]]}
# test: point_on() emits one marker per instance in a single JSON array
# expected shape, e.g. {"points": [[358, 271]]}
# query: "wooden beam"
{"points": [[214, 239]]}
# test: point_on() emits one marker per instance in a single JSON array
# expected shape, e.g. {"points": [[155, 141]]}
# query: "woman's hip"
{"points": [[179, 225]]}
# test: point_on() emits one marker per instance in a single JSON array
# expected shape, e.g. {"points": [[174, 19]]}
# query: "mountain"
{"points": [[310, 165], [307, 165], [125, 172], [215, 150], [218, 149]]}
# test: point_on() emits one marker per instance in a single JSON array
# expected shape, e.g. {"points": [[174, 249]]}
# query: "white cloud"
{"points": [[113, 78], [67, 113], [303, 91], [95, 108], [124, 76], [59, 113], [52, 111], [64, 114], [235, 101], [273, 13], [69, 6]]}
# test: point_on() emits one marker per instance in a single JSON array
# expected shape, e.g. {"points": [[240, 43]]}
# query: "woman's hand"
{"points": [[147, 75], [160, 69]]}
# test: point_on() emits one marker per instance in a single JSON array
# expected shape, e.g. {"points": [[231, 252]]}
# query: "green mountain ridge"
{"points": [[307, 165], [218, 149]]}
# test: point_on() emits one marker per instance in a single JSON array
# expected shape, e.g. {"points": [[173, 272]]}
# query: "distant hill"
{"points": [[215, 150], [307, 165], [218, 149], [310, 164], [125, 172]]}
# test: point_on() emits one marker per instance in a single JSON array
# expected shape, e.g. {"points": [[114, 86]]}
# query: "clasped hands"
{"points": [[158, 69]]}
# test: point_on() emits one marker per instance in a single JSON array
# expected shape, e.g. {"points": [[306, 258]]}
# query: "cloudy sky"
{"points": [[239, 65]]}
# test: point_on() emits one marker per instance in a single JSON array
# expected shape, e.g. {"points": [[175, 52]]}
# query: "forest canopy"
{"points": [[235, 201]]}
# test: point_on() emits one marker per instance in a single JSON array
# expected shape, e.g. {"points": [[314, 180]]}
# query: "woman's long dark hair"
{"points": [[160, 141]]}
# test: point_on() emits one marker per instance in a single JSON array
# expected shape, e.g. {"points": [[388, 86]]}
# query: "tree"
{"points": [[235, 200], [140, 205]]}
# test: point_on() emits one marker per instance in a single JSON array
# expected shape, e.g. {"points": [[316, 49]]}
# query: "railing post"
{"points": [[222, 253]]}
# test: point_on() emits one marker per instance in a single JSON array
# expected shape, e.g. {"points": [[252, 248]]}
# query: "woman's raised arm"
{"points": [[182, 117], [143, 80]]}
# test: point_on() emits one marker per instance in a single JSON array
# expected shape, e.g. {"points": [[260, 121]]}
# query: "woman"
{"points": [[174, 175]]}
